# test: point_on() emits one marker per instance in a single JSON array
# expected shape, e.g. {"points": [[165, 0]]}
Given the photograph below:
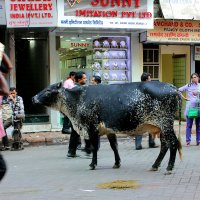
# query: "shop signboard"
{"points": [[2, 13], [131, 14], [31, 13], [174, 31], [180, 9], [76, 44], [197, 53]]}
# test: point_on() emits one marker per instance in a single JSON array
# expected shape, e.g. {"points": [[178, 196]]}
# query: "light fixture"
{"points": [[27, 38], [32, 43]]}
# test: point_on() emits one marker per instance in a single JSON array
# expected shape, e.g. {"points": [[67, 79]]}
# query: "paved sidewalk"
{"points": [[47, 138], [59, 138]]}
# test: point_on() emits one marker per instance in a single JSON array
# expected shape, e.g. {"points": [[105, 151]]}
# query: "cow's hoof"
{"points": [[92, 166], [154, 169], [116, 166], [168, 172]]}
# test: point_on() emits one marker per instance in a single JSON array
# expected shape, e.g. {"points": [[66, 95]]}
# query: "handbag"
{"points": [[194, 112]]}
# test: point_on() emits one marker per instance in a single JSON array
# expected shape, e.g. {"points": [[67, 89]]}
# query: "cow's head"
{"points": [[49, 96]]}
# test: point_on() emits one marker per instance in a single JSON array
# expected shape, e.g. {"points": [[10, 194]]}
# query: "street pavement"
{"points": [[44, 173]]}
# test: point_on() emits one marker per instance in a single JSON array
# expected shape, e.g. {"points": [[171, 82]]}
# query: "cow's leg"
{"points": [[173, 149], [113, 143], [94, 139], [163, 151]]}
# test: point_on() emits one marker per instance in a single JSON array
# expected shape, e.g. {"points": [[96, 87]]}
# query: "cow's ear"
{"points": [[59, 85]]}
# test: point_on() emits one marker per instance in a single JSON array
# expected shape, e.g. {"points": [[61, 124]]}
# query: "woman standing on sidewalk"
{"points": [[192, 97]]}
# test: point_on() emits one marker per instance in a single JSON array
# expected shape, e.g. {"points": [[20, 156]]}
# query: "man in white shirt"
{"points": [[74, 141]]}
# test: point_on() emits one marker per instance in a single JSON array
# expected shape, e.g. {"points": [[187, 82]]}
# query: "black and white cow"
{"points": [[131, 108]]}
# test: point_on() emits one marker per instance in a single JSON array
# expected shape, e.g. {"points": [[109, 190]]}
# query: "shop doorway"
{"points": [[179, 73], [179, 70], [32, 74]]}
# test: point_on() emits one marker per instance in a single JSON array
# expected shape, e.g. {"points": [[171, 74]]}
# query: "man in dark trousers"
{"points": [[138, 139], [80, 80]]}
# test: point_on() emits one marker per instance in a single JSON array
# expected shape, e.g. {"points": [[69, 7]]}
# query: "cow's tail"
{"points": [[179, 133]]}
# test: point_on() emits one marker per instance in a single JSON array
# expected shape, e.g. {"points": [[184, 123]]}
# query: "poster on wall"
{"points": [[2, 13], [132, 14], [31, 13]]}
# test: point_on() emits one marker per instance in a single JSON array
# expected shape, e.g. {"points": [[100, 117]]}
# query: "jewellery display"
{"points": [[96, 65], [123, 77], [106, 76], [113, 54], [97, 74], [97, 44], [98, 55], [114, 44], [106, 54], [122, 65], [115, 65], [122, 54], [114, 77], [106, 44], [111, 59], [123, 44], [106, 65]]}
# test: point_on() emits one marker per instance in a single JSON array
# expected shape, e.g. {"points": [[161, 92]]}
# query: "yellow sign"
{"points": [[174, 31]]}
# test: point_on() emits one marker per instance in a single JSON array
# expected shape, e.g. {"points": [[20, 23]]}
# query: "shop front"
{"points": [[100, 39], [28, 25], [178, 42]]}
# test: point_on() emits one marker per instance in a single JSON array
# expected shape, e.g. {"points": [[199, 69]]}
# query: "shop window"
{"points": [[104, 56], [151, 62]]}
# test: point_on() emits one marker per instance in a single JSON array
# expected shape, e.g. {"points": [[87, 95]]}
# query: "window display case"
{"points": [[105, 56], [112, 59]]}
